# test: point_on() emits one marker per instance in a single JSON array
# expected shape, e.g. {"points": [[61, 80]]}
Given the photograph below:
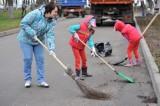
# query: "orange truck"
{"points": [[107, 11]]}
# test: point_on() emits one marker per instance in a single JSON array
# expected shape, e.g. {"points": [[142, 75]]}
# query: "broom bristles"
{"points": [[91, 92], [86, 90]]}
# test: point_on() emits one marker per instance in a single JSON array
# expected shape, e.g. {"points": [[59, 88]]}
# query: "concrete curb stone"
{"points": [[13, 31], [9, 32], [152, 67]]}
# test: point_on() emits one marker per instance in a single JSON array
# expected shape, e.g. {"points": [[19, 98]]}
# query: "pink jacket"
{"points": [[128, 31]]}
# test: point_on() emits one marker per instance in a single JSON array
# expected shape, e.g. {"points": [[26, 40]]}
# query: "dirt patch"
{"points": [[152, 36], [148, 99]]}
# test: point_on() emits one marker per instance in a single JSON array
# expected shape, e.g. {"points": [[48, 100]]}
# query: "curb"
{"points": [[9, 32], [152, 67], [13, 31]]}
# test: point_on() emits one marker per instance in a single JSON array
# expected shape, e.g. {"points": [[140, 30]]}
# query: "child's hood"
{"points": [[87, 19], [119, 25]]}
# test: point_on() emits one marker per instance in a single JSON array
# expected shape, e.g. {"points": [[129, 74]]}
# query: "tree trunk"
{"points": [[39, 2], [53, 1], [10, 8], [16, 3], [6, 3], [33, 5], [3, 2]]}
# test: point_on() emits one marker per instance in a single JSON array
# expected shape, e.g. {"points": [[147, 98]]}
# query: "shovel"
{"points": [[86, 90]]}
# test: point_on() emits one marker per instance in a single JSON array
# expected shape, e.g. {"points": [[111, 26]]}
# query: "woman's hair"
{"points": [[49, 7]]}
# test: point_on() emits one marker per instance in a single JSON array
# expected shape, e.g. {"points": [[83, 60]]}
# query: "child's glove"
{"points": [[93, 52], [92, 31], [76, 37]]}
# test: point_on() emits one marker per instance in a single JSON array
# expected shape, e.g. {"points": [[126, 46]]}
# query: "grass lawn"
{"points": [[7, 23]]}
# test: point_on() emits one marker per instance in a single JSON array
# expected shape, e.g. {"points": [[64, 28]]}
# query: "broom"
{"points": [[86, 90], [120, 74]]}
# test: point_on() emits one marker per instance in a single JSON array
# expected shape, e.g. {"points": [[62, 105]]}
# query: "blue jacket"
{"points": [[35, 24]]}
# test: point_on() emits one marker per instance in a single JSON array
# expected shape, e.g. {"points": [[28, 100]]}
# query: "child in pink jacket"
{"points": [[133, 36]]}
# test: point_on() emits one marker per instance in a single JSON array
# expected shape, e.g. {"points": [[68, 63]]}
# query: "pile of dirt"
{"points": [[152, 36]]}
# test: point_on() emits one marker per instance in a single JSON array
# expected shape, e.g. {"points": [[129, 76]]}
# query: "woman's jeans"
{"points": [[28, 50]]}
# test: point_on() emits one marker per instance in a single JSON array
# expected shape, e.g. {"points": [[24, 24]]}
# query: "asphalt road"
{"points": [[63, 90]]}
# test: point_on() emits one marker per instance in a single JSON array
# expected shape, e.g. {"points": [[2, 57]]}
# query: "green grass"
{"points": [[7, 23]]}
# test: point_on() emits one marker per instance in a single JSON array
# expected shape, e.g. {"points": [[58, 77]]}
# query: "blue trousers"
{"points": [[28, 51]]}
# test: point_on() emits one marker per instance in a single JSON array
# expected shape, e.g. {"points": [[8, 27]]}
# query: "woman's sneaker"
{"points": [[27, 84], [44, 84]]}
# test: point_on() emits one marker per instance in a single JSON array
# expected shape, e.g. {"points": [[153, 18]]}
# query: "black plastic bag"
{"points": [[103, 49]]}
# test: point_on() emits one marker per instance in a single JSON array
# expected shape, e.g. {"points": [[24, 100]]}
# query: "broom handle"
{"points": [[55, 57], [149, 24], [98, 56]]}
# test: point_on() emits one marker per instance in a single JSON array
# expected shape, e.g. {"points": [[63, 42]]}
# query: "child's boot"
{"points": [[78, 77], [77, 74], [85, 73]]}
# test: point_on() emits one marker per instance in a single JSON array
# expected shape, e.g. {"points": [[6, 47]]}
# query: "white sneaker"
{"points": [[27, 84], [128, 65], [44, 84], [79, 78], [138, 63]]}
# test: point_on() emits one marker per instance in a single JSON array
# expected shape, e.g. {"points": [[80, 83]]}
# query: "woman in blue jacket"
{"points": [[39, 24]]}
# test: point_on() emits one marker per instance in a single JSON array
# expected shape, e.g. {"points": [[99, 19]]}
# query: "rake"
{"points": [[85, 89]]}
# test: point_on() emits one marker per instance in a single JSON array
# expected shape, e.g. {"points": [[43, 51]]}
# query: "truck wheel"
{"points": [[133, 23], [82, 14], [65, 14], [98, 24]]}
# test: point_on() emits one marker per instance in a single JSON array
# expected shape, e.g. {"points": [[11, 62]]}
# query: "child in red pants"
{"points": [[83, 32], [133, 36]]}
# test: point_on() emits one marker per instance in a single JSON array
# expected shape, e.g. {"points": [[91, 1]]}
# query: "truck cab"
{"points": [[71, 7]]}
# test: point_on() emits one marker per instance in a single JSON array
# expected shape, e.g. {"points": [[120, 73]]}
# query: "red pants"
{"points": [[79, 56], [133, 47]]}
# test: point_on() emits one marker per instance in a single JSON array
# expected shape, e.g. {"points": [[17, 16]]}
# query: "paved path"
{"points": [[63, 90]]}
